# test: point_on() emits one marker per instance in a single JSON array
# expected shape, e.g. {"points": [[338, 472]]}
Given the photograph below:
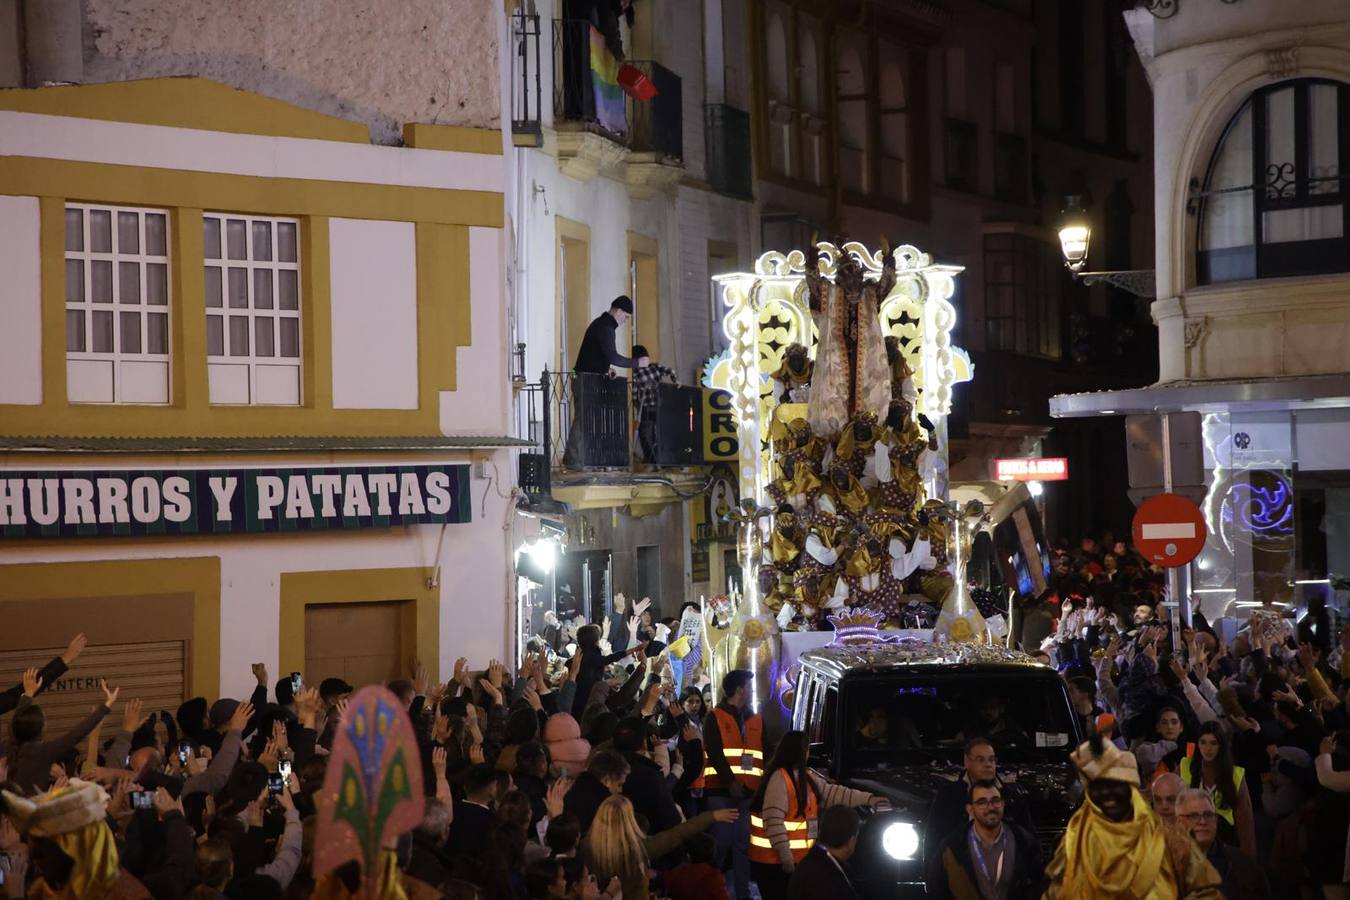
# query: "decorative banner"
{"points": [[1050, 469], [720, 441], [110, 502], [372, 792]]}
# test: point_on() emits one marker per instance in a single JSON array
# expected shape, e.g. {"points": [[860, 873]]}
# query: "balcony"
{"points": [[526, 92], [586, 451], [598, 127], [727, 133], [656, 133]]}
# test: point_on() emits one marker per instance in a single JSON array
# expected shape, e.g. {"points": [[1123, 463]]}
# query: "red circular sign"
{"points": [[1169, 530]]}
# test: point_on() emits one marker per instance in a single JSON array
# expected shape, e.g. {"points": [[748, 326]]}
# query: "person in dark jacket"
{"points": [[949, 810], [31, 757], [473, 817], [604, 777], [646, 785], [990, 857], [47, 675], [1242, 876], [598, 347], [822, 873]]}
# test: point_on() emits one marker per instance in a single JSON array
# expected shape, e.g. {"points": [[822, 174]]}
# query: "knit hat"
{"points": [[222, 710], [62, 811], [1113, 764], [566, 747]]}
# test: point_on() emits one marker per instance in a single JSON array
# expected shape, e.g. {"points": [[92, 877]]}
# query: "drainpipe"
{"points": [[53, 42]]}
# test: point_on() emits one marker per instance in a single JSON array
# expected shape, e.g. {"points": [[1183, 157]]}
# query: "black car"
{"points": [[893, 718]]}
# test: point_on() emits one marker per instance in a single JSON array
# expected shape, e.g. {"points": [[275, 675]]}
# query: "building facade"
{"points": [[1250, 125], [960, 128], [648, 200], [254, 384]]}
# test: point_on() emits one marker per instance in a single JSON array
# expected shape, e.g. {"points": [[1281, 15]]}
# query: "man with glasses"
{"points": [[1242, 877], [990, 859], [950, 810]]}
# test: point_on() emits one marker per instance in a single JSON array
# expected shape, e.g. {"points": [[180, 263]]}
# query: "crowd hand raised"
{"points": [[531, 696], [574, 665], [74, 648], [268, 757], [421, 680], [557, 792], [9, 835], [496, 672], [1178, 669], [614, 890], [642, 606], [242, 713], [307, 706], [730, 814], [438, 758], [462, 675], [279, 737], [132, 719], [690, 732], [1307, 658], [341, 707], [491, 690], [109, 694], [260, 673], [32, 682], [620, 603], [253, 813], [59, 777], [120, 804], [1287, 696], [1327, 746], [476, 754]]}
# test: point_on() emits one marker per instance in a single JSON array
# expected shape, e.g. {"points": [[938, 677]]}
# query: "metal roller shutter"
{"points": [[154, 672]]}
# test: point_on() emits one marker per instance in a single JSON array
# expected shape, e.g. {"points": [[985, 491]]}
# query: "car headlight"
{"points": [[900, 840]]}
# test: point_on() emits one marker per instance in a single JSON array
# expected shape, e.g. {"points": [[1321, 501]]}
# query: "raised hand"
{"points": [[531, 696], [109, 694], [268, 758], [476, 754], [242, 713], [690, 732], [620, 603], [642, 606], [132, 719], [574, 666], [491, 690], [260, 673], [279, 737], [496, 673], [74, 648], [438, 756], [556, 794], [307, 706], [421, 680], [32, 682], [462, 674]]}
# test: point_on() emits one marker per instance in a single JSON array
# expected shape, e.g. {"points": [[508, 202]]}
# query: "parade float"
{"points": [[841, 369]]}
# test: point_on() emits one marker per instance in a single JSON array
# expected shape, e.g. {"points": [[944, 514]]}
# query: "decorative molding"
{"points": [[584, 154], [1195, 329], [647, 175], [1282, 62]]}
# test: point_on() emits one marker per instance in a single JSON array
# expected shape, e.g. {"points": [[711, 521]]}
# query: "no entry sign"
{"points": [[1169, 530]]}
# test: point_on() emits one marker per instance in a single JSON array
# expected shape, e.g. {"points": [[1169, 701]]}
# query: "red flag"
{"points": [[635, 83]]}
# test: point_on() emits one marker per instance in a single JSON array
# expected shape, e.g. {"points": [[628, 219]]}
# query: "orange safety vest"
{"points": [[1161, 768], [801, 828], [744, 753]]}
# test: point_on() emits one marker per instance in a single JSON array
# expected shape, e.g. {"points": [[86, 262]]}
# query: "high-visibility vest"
{"points": [[744, 752], [1222, 805], [800, 827], [1162, 769]]}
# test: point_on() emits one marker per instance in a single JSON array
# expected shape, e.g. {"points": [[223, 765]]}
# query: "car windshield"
{"points": [[921, 718]]}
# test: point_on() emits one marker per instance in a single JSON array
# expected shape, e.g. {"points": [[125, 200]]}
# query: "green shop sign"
{"points": [[107, 502]]}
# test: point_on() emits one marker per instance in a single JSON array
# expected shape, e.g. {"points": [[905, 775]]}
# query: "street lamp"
{"points": [[1075, 237]]}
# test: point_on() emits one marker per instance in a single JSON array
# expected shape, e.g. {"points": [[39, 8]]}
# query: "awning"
{"points": [[39, 444], [1293, 392]]}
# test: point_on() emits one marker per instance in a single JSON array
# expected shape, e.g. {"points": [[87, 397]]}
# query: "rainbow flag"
{"points": [[605, 80]]}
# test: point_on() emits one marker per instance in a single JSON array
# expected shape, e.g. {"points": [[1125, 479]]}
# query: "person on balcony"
{"points": [[598, 355], [646, 379]]}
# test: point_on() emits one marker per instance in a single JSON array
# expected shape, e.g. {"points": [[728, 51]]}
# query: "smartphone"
{"points": [[297, 682], [284, 767], [276, 783], [142, 799], [184, 751]]}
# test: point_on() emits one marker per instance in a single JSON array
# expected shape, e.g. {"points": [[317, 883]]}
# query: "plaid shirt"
{"points": [[645, 381]]}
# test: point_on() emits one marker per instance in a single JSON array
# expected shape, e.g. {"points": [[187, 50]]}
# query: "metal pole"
{"points": [[1175, 592]]}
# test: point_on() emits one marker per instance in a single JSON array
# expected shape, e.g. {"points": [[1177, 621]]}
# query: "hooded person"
{"points": [[1115, 846], [74, 850]]}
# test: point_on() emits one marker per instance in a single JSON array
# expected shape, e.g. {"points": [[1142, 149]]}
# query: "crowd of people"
{"points": [[1225, 767]]}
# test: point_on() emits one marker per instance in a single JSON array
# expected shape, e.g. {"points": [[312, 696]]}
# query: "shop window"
{"points": [[1273, 202], [252, 309], [117, 304]]}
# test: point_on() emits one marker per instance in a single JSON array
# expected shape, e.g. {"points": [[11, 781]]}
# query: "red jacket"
{"points": [[696, 881]]}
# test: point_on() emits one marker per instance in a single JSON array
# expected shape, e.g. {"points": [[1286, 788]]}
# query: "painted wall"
{"points": [[377, 63], [473, 558], [1203, 63], [20, 301]]}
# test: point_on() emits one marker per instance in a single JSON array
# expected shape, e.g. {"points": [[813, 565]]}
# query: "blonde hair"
{"points": [[616, 845]]}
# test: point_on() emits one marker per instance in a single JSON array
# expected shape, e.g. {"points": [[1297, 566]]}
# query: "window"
{"points": [[252, 309], [960, 153], [855, 161], [117, 304], [1273, 203], [1021, 294], [893, 123]]}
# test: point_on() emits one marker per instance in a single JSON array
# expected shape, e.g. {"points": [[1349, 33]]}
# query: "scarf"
{"points": [[97, 866], [1128, 860]]}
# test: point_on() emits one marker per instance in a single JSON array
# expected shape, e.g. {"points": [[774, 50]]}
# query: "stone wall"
{"points": [[382, 64]]}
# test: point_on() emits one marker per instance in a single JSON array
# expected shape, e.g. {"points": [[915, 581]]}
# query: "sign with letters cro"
{"points": [[112, 502]]}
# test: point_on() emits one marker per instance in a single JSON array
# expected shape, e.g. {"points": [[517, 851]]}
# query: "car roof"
{"points": [[908, 654]]}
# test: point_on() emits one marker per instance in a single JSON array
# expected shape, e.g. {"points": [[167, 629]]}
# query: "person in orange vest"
{"points": [[733, 746], [785, 812]]}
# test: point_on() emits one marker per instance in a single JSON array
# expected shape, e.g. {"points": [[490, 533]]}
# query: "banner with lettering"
{"points": [[109, 502]]}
